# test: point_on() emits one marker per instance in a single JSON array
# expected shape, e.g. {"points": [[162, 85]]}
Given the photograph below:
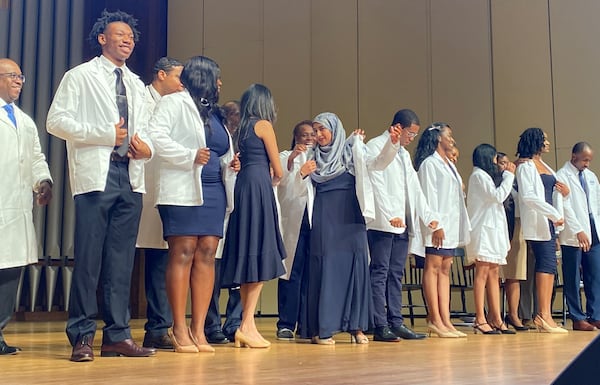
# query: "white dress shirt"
{"points": [[84, 113]]}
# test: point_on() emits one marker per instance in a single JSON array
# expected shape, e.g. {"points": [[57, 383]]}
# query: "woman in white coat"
{"points": [[442, 186], [489, 244], [539, 219], [195, 151], [296, 197]]}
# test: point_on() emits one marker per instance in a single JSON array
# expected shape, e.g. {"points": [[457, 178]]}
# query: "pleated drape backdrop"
{"points": [[47, 38]]}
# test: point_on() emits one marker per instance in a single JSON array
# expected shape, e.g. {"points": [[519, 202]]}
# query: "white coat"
{"points": [[23, 166], [443, 189], [489, 229], [534, 209], [398, 194], [177, 132], [84, 113], [150, 234], [294, 195], [576, 206]]}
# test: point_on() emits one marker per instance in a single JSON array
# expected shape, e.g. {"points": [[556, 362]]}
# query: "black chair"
{"points": [[413, 281], [461, 280]]}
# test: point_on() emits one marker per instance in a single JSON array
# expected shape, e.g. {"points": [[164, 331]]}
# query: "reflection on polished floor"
{"points": [[525, 358]]}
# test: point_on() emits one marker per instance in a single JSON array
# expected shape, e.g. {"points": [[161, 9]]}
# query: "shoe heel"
{"points": [[110, 354]]}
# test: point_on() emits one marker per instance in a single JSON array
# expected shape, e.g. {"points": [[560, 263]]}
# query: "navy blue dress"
{"points": [[545, 251], [207, 219], [339, 289], [254, 250]]}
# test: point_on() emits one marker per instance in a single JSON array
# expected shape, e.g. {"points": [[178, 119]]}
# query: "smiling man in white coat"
{"points": [[98, 109], [579, 239], [399, 206], [24, 169]]}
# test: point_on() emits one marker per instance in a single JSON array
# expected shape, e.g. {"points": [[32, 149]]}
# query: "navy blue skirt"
{"points": [[202, 220]]}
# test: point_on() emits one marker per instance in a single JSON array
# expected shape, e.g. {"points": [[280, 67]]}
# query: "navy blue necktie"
{"points": [[585, 188], [10, 110], [121, 95]]}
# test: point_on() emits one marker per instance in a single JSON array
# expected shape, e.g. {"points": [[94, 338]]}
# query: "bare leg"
{"points": [[250, 293], [431, 273], [544, 286], [181, 255], [202, 284], [513, 295], [493, 297], [482, 270], [444, 292]]}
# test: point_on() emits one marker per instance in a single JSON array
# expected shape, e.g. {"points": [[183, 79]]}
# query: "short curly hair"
{"points": [[110, 17]]}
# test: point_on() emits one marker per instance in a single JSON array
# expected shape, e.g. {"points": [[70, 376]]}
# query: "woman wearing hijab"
{"points": [[339, 290]]}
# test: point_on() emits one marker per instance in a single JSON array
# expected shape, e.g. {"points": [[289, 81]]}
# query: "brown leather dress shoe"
{"points": [[126, 348], [82, 351], [592, 322]]}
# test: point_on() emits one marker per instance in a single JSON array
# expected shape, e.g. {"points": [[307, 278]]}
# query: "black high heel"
{"points": [[477, 328], [509, 321], [503, 331]]}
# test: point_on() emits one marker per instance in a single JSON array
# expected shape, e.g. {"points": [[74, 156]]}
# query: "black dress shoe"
{"points": [[158, 342], [126, 348], [407, 334], [217, 337], [384, 334], [82, 350], [6, 349]]}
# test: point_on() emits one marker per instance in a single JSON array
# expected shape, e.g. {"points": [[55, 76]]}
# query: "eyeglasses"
{"points": [[411, 134], [14, 76]]}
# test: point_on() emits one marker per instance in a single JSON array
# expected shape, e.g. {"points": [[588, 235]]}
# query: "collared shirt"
{"points": [[84, 113]]}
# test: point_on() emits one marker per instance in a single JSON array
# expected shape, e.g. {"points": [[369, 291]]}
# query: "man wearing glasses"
{"points": [[24, 169], [399, 204]]}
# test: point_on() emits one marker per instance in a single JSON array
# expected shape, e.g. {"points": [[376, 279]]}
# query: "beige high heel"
{"points": [[431, 328], [202, 348], [543, 327], [180, 348], [242, 341]]}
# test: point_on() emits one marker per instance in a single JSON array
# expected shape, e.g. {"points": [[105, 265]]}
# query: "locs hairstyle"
{"points": [[297, 130], [428, 142], [531, 142], [104, 20], [483, 157], [199, 77]]}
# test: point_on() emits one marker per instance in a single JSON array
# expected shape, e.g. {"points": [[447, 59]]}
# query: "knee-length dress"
{"points": [[254, 250], [339, 289]]}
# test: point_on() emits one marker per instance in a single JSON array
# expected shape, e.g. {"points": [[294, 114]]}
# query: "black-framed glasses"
{"points": [[14, 76]]}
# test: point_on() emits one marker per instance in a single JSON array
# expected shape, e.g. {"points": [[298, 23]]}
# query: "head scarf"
{"points": [[335, 158]]}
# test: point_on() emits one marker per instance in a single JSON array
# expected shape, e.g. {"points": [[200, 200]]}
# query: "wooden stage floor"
{"points": [[525, 358]]}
